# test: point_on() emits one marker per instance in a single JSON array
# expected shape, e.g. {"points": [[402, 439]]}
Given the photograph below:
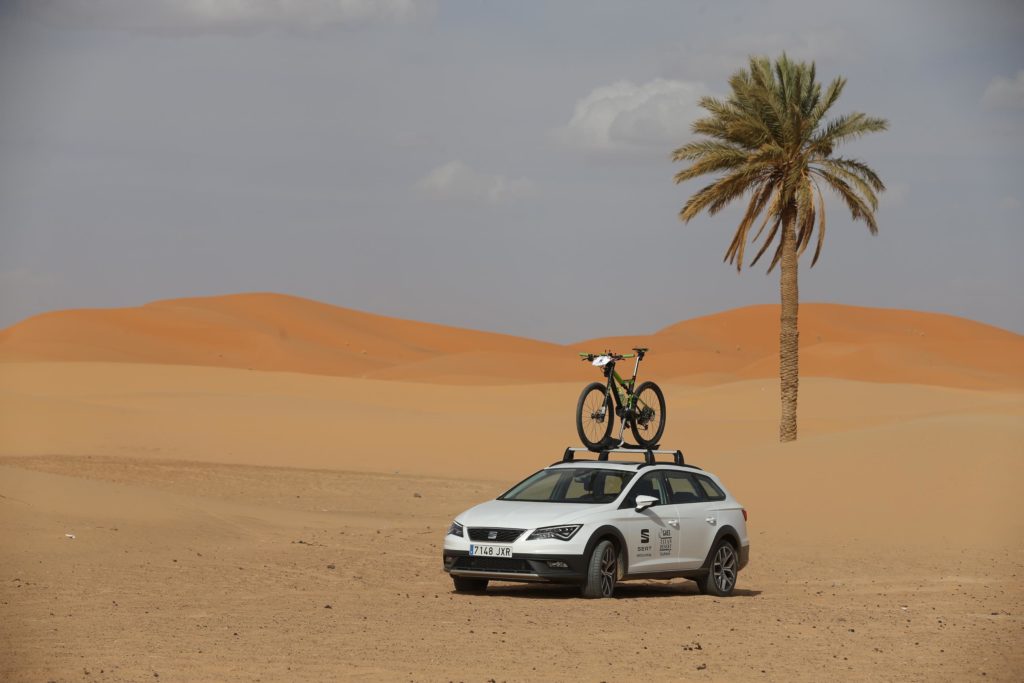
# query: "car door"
{"points": [[716, 510], [697, 520], [652, 533]]}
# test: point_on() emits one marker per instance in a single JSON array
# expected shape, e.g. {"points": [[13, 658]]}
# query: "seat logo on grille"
{"points": [[491, 535]]}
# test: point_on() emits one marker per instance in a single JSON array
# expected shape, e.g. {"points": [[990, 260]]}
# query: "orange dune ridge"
{"points": [[844, 342], [284, 333], [265, 332]]}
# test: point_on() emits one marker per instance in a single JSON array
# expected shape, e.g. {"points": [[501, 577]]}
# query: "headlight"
{"points": [[455, 530], [562, 533]]}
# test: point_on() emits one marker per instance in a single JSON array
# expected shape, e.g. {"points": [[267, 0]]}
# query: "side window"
{"points": [[611, 485], [681, 488], [580, 487], [710, 488], [651, 484]]}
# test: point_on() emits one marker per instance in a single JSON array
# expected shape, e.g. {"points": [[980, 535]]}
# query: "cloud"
{"points": [[220, 15], [628, 116], [456, 181], [1005, 93]]}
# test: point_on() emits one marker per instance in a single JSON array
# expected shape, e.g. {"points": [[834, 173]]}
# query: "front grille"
{"points": [[494, 564], [500, 535]]}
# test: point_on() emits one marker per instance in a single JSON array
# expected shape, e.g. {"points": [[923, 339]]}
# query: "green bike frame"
{"points": [[621, 390]]}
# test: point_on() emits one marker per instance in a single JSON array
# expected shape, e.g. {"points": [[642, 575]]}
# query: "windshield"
{"points": [[570, 485]]}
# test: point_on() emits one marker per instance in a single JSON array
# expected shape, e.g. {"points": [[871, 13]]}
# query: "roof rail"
{"points": [[648, 453]]}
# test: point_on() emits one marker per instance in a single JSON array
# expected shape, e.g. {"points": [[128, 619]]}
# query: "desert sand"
{"points": [[252, 497]]}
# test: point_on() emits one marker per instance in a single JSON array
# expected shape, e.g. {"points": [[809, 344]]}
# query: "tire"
{"points": [[593, 429], [465, 584], [721, 577], [648, 422], [602, 571]]}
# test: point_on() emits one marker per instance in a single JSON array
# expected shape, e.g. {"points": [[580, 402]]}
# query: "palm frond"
{"points": [[859, 209], [860, 169], [845, 128], [805, 217], [772, 212], [821, 225], [835, 89], [768, 241], [758, 199], [737, 184], [717, 195], [863, 187], [708, 157]]}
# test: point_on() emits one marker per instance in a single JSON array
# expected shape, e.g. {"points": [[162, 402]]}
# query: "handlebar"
{"points": [[588, 357]]}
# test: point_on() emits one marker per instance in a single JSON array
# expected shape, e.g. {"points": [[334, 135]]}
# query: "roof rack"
{"points": [[648, 453]]}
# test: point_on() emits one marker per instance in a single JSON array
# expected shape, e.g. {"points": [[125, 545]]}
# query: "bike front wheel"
{"points": [[594, 416], [648, 421]]}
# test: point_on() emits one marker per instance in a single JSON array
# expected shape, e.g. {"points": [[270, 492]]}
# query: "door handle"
{"points": [[711, 520]]}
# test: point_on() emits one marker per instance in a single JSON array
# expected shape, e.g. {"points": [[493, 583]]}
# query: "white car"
{"points": [[597, 522]]}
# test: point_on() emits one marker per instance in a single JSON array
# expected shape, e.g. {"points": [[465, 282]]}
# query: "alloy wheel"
{"points": [[609, 571], [724, 568]]}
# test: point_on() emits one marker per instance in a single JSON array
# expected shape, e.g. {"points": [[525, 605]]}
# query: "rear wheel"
{"points": [[721, 577], [648, 421], [594, 416], [602, 571], [465, 584]]}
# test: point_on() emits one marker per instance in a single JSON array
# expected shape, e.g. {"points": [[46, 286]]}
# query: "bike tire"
{"points": [[648, 428], [593, 431]]}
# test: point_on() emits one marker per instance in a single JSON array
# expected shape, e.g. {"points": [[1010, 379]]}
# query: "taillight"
{"points": [[744, 514]]}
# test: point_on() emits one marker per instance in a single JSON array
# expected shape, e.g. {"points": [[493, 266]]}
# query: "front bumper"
{"points": [[519, 567]]}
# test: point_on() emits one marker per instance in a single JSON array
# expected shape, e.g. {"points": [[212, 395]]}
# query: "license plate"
{"points": [[490, 550]]}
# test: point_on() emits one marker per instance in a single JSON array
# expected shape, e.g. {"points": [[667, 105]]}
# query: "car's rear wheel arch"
{"points": [[726, 533]]}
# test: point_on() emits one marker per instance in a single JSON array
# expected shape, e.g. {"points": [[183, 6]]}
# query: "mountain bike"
{"points": [[642, 407]]}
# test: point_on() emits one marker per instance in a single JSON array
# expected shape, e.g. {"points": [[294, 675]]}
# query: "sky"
{"points": [[494, 165]]}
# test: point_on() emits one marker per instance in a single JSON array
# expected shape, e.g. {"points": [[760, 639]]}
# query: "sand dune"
{"points": [[250, 500], [282, 333], [252, 331], [869, 344]]}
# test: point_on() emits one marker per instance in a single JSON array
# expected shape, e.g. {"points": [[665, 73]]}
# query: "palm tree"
{"points": [[770, 140]]}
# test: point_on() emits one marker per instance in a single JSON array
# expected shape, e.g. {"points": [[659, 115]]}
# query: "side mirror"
{"points": [[644, 502]]}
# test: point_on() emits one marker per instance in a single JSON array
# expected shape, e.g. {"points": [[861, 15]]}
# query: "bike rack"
{"points": [[648, 453]]}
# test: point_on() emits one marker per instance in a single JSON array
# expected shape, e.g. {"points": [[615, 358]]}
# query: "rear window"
{"points": [[711, 489], [570, 485]]}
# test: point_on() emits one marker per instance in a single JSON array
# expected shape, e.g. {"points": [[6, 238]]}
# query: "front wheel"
{"points": [[648, 421], [594, 416], [602, 571]]}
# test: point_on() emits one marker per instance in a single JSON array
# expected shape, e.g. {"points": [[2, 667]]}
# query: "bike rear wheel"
{"points": [[594, 416], [648, 421]]}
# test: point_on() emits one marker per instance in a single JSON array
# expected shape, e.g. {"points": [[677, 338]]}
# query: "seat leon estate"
{"points": [[598, 522]]}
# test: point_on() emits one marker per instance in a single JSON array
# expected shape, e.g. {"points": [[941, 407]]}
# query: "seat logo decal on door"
{"points": [[665, 539], [644, 549]]}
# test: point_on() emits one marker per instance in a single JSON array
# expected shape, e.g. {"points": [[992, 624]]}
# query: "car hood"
{"points": [[515, 514]]}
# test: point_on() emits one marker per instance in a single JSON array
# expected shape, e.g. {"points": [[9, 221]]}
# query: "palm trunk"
{"points": [[789, 335]]}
